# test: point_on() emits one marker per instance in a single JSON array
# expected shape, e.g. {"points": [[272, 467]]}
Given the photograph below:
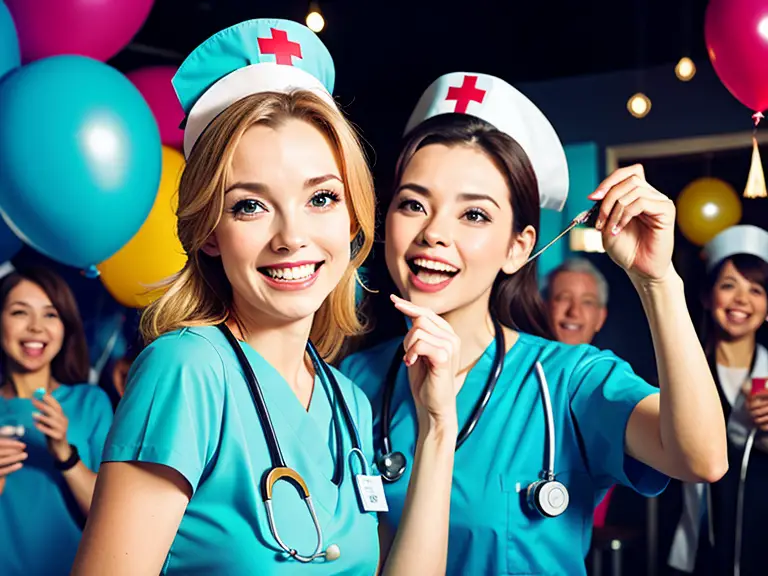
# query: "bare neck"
{"points": [[474, 327], [281, 344], [22, 384], [736, 353]]}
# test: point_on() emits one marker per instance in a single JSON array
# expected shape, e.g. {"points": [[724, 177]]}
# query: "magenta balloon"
{"points": [[736, 33], [98, 29], [154, 83]]}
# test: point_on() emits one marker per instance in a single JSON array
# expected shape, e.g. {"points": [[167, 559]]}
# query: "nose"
{"points": [[741, 296], [436, 232], [34, 324], [291, 234]]}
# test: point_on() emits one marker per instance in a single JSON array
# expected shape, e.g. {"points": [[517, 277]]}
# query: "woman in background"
{"points": [[53, 426], [736, 310]]}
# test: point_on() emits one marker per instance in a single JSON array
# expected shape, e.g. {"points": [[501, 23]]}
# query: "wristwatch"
{"points": [[70, 462]]}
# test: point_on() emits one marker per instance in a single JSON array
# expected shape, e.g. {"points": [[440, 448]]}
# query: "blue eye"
{"points": [[324, 199], [247, 207]]}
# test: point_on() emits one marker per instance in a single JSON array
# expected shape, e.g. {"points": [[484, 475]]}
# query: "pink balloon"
{"points": [[154, 83], [95, 28], [736, 33]]}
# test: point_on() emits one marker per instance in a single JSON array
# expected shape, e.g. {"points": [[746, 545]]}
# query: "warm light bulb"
{"points": [[685, 69], [315, 21], [639, 105]]}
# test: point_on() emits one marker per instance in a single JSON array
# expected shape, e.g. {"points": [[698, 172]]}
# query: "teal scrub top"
{"points": [[40, 521], [492, 528], [187, 406]]}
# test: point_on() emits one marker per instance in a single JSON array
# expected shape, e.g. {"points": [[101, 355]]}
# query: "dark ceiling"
{"points": [[387, 51]]}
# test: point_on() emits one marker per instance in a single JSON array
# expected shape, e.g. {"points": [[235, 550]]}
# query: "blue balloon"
{"points": [[80, 158], [10, 54], [9, 243]]}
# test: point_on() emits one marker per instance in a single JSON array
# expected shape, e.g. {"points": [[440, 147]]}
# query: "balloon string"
{"points": [[757, 116]]}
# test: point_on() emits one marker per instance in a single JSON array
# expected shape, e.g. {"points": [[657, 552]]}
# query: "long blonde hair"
{"points": [[200, 294]]}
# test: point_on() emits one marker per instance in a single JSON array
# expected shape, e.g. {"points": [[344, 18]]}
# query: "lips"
{"points": [[737, 316], [33, 348], [570, 326], [431, 271], [293, 272]]}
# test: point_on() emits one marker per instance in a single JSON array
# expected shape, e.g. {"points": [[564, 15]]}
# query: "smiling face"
{"points": [[284, 236], [739, 306], [449, 229], [32, 331], [575, 309]]}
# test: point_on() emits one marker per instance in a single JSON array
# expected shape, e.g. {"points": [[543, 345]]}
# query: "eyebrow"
{"points": [[25, 304], [463, 196], [260, 188]]}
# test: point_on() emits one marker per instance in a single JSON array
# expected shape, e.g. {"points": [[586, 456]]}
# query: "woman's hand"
{"points": [[637, 222], [12, 456], [757, 404], [52, 422], [432, 356]]}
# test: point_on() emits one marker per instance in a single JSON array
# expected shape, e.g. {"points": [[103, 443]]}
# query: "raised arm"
{"points": [[420, 545], [680, 431]]}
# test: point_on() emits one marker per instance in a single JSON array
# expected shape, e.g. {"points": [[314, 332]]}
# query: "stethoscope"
{"points": [[279, 470], [546, 495]]}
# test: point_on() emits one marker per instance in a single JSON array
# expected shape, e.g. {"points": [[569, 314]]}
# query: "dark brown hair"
{"points": [[71, 365], [515, 299], [753, 268]]}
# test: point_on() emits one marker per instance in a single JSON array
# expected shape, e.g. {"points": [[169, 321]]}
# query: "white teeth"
{"points": [[293, 273], [432, 278], [434, 265], [37, 345], [571, 326], [738, 314]]}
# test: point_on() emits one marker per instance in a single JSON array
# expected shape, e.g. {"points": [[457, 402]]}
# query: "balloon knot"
{"points": [[91, 272], [757, 116]]}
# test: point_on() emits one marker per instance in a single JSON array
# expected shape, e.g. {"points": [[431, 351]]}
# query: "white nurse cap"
{"points": [[506, 109], [742, 239]]}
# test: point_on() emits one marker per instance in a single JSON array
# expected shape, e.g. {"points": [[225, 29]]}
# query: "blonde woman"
{"points": [[236, 449]]}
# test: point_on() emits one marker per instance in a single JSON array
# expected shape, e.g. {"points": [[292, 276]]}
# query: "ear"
{"points": [[211, 246], [601, 318], [520, 248]]}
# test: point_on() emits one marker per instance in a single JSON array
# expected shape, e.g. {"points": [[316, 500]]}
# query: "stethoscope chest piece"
{"points": [[548, 497], [391, 466]]}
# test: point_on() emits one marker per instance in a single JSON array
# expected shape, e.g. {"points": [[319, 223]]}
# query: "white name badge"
{"points": [[370, 489]]}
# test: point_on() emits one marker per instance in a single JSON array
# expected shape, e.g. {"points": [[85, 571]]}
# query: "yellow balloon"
{"points": [[155, 252], [706, 207]]}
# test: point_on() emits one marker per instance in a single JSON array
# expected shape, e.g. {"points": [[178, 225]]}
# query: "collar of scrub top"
{"points": [[262, 55], [741, 239], [506, 109]]}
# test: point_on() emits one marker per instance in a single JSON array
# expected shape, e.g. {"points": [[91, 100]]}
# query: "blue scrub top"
{"points": [[187, 406], [492, 528], [40, 522]]}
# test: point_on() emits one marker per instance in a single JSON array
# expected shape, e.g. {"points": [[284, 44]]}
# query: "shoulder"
{"points": [[190, 358], [368, 368], [571, 363], [195, 346]]}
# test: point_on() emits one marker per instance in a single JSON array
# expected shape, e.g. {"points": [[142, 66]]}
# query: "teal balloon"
{"points": [[10, 55], [80, 158]]}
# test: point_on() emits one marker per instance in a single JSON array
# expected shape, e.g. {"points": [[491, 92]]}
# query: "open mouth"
{"points": [[292, 273], [430, 272], [570, 326], [33, 348], [737, 316]]}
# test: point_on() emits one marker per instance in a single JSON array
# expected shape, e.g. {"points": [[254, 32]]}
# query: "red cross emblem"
{"points": [[466, 93], [279, 45]]}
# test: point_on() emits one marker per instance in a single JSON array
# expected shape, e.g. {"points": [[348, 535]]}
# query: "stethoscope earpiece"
{"points": [[548, 497], [391, 466]]}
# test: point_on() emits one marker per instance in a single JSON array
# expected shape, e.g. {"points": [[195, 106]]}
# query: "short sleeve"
{"points": [[101, 415], [171, 413], [604, 391]]}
